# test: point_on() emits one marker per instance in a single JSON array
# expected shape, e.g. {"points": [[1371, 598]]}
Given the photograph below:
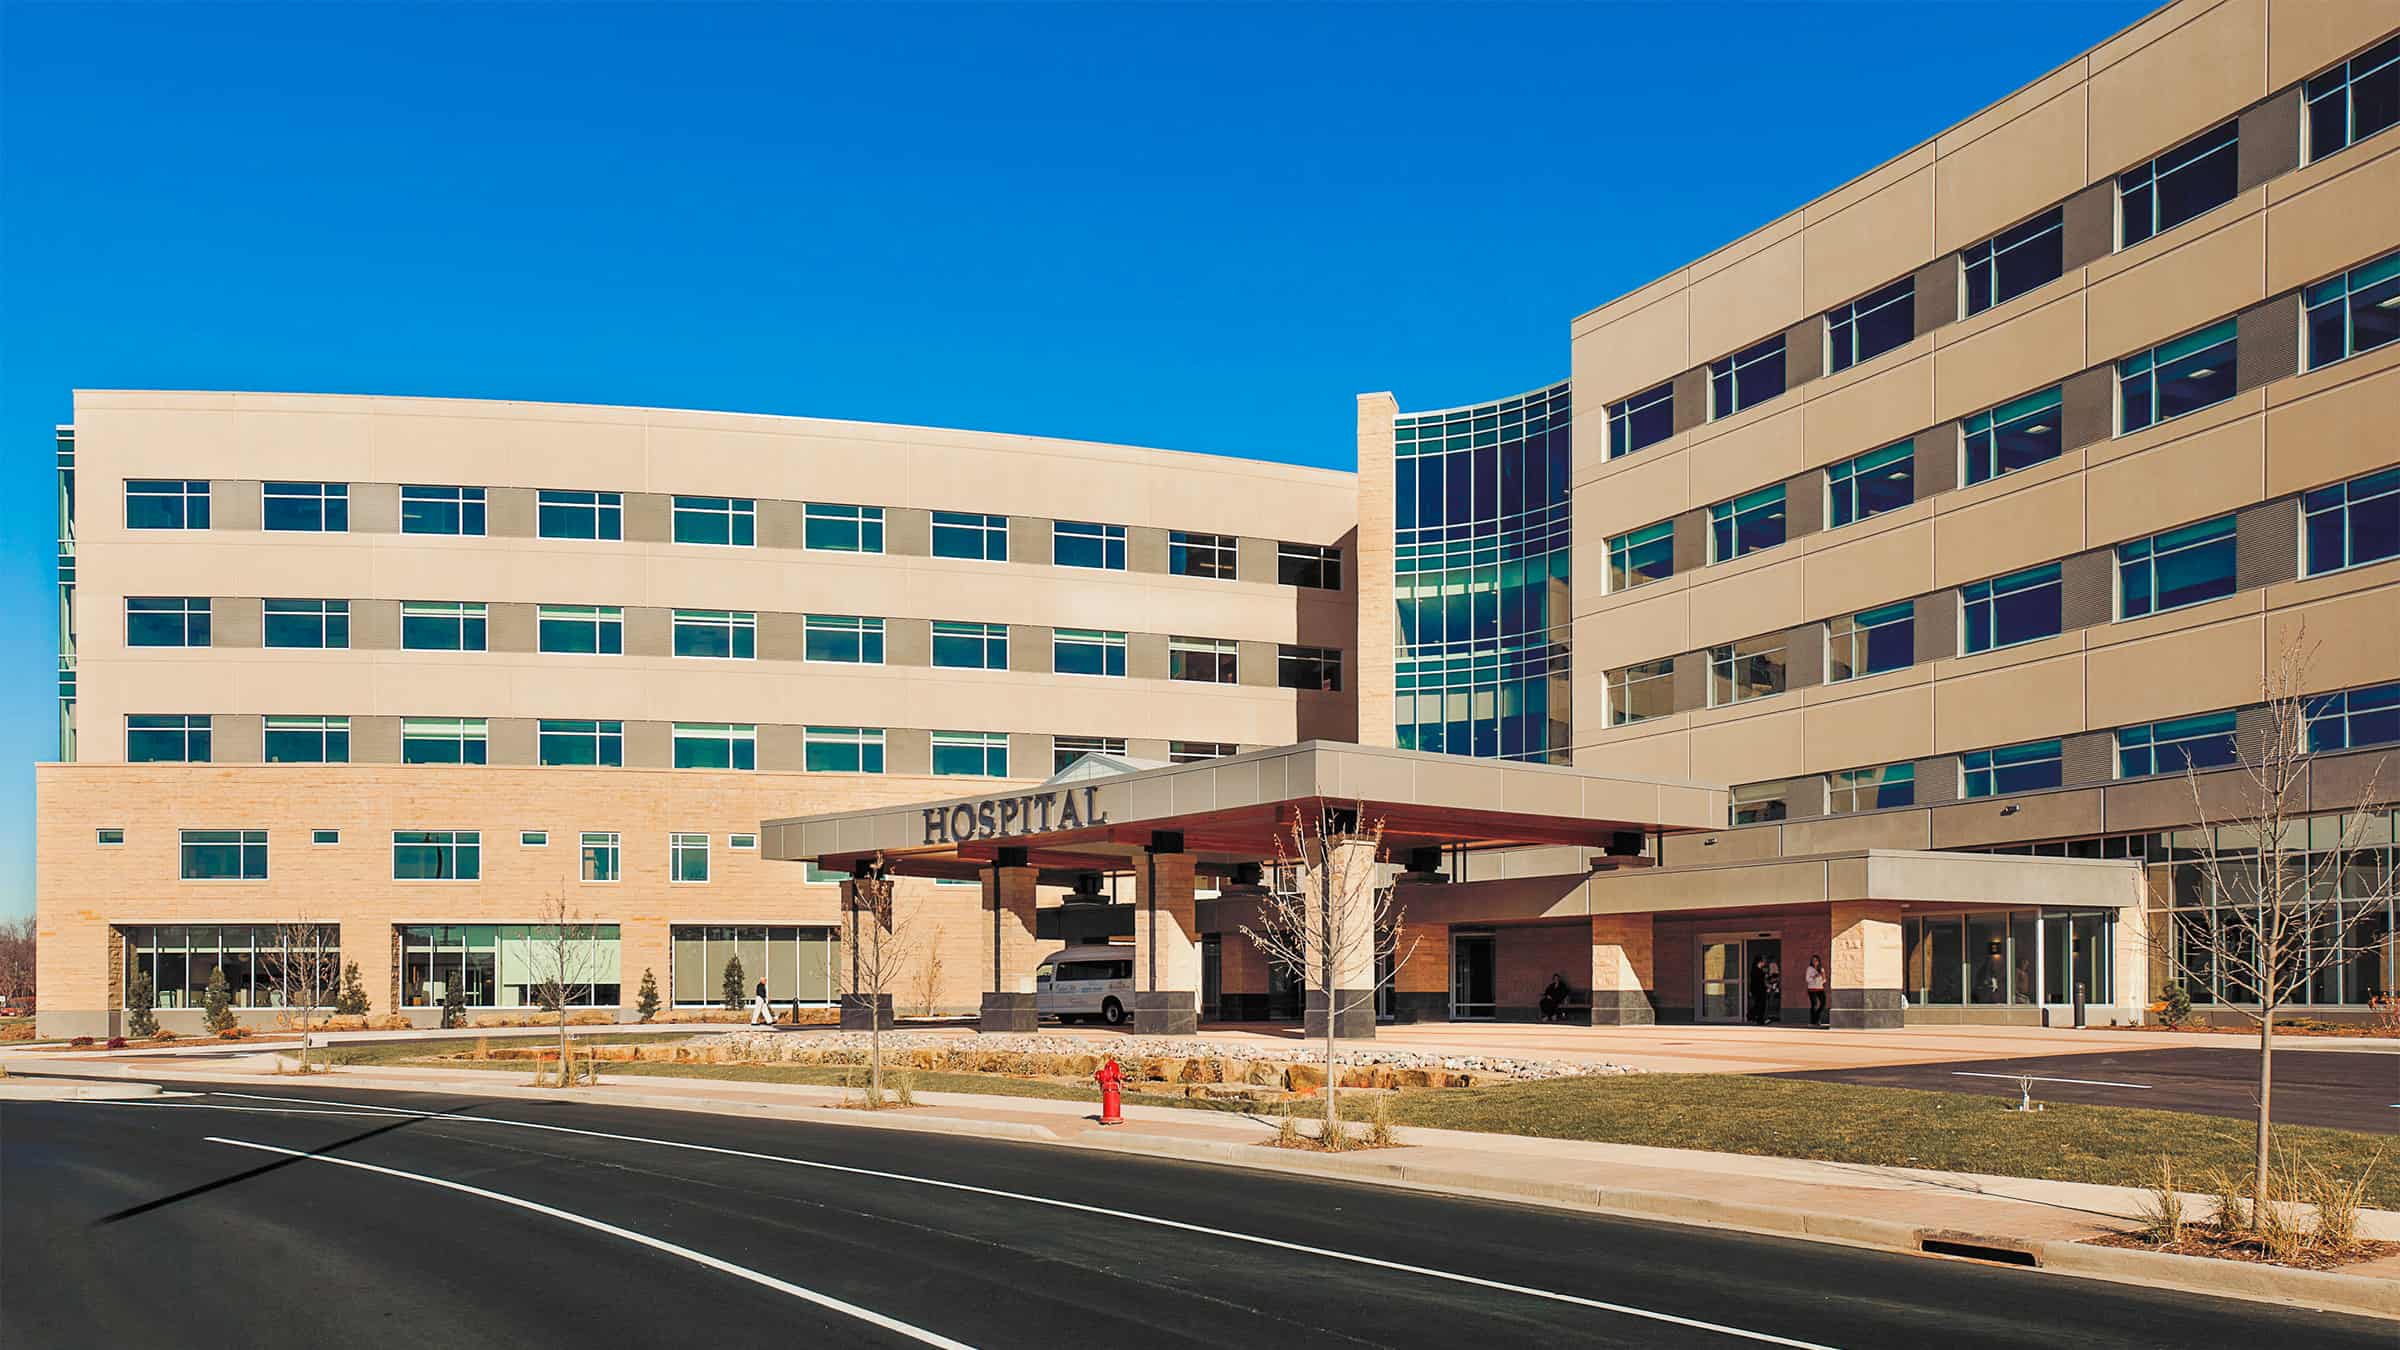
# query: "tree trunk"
{"points": [[2266, 1092], [1333, 1076], [563, 1051], [875, 1029]]}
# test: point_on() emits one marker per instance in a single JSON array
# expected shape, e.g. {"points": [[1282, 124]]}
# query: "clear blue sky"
{"points": [[1200, 227]]}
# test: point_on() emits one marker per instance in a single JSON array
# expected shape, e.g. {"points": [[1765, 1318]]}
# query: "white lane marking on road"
{"points": [[2019, 1078], [1354, 1258], [210, 1106], [806, 1295]]}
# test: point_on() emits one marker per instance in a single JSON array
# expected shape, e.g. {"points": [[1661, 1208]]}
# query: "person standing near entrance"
{"points": [[1814, 979], [1758, 990], [761, 1011], [1774, 991]]}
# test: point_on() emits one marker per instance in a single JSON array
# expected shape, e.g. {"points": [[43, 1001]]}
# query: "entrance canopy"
{"points": [[1095, 817]]}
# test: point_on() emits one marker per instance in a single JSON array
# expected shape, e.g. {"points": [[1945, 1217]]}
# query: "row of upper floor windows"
{"points": [[714, 634], [184, 504], [2342, 525], [2341, 107]]}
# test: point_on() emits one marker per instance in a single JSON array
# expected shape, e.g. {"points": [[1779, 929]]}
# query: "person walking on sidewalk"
{"points": [[1814, 978], [1758, 991], [761, 1011]]}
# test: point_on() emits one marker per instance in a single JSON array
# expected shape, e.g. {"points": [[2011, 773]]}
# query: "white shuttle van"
{"points": [[1080, 982]]}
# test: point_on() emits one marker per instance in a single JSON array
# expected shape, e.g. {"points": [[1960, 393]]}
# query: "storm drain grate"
{"points": [[1975, 1249]]}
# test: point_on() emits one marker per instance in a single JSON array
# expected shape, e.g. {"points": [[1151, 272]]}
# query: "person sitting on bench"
{"points": [[1554, 997]]}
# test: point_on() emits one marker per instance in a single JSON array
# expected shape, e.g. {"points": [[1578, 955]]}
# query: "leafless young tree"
{"points": [[16, 957], [925, 986], [565, 952], [305, 971], [1327, 919], [2275, 904], [880, 946]]}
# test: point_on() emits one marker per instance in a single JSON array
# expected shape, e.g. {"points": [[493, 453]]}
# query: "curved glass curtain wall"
{"points": [[1480, 563]]}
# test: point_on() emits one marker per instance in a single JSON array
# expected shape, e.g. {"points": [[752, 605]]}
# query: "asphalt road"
{"points": [[331, 1222], [2344, 1089]]}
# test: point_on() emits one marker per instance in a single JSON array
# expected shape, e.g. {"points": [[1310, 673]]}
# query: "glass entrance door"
{"points": [[1212, 977], [1721, 989], [1471, 981]]}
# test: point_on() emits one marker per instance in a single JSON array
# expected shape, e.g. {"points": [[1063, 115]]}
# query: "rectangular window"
{"points": [[306, 623], [2354, 100], [1745, 524], [1640, 692], [443, 740], [441, 510], [2355, 312], [2011, 768], [582, 744], [687, 859], [2175, 378], [307, 740], [580, 515], [1077, 543], [1201, 660], [1642, 556], [1745, 379], [2352, 524], [1065, 750], [843, 749], [1871, 325], [968, 534], [325, 838], [167, 738], [731, 521], [970, 646], [1870, 642], [742, 842], [1741, 671], [1875, 482], [166, 621], [718, 634], [2176, 568], [2194, 177], [974, 754], [581, 630], [844, 639], [1315, 566], [442, 626], [1087, 651], [1192, 752], [2013, 436], [533, 839], [1852, 790], [842, 529], [224, 855], [2354, 718], [110, 837], [1200, 555], [1759, 803], [603, 856], [1308, 667], [2015, 261], [716, 745], [2019, 607], [306, 508], [2203, 742], [166, 503], [437, 855], [1643, 420]]}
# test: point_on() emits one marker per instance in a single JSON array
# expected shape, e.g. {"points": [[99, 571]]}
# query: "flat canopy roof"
{"points": [[1230, 811]]}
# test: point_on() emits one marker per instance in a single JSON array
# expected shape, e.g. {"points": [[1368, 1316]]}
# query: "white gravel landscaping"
{"points": [[800, 1046]]}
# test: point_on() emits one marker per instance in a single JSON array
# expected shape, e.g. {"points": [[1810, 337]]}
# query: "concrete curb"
{"points": [[29, 1090]]}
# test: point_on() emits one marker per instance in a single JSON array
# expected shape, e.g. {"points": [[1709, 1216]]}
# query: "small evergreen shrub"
{"points": [[647, 1002], [217, 1004], [735, 994], [140, 999]]}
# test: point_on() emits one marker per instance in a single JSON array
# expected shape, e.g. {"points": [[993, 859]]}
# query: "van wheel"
{"points": [[1113, 1013]]}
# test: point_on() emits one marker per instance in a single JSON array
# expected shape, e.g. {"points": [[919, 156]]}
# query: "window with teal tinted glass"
{"points": [[1643, 420], [443, 740], [305, 623], [843, 529], [442, 626], [2354, 718], [1079, 543], [307, 740], [2014, 261], [845, 639], [723, 634], [2203, 742], [844, 750], [2354, 100], [2015, 435], [1871, 325], [970, 646], [2175, 378], [2177, 568], [2351, 524], [1875, 482], [1746, 524], [580, 515], [2030, 767], [731, 521], [2355, 312], [582, 744], [437, 855], [1870, 642], [602, 855], [166, 503], [166, 621], [687, 858], [224, 855], [167, 738], [1087, 651], [1191, 553], [1876, 789], [978, 754], [2192, 178], [716, 745], [305, 508], [1642, 556], [326, 838], [583, 630], [441, 510], [2019, 607], [966, 534]]}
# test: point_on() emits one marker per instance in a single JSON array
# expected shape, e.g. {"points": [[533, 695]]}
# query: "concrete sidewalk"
{"points": [[2024, 1221]]}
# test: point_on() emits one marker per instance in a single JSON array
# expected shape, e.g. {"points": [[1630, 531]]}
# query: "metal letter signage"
{"points": [[1005, 817]]}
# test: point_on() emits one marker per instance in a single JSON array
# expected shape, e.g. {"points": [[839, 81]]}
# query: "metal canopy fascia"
{"points": [[1229, 810]]}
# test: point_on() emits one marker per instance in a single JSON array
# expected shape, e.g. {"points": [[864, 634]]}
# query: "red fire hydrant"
{"points": [[1111, 1080]]}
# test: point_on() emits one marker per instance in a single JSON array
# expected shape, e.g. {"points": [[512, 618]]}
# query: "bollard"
{"points": [[2079, 1004]]}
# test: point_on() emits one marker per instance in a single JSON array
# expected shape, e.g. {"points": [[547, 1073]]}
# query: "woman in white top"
{"points": [[1815, 980]]}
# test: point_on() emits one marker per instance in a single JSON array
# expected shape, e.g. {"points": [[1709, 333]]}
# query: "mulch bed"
{"points": [[2198, 1241]]}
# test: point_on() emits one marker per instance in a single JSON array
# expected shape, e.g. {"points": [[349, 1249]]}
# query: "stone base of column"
{"points": [[1009, 1012], [1623, 1008], [866, 1012], [1167, 1012], [1357, 1020], [1865, 1009]]}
